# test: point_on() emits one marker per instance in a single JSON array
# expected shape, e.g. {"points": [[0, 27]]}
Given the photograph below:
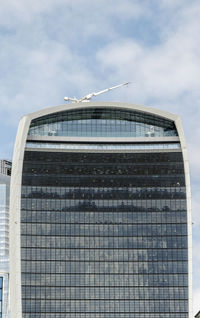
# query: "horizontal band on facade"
{"points": [[120, 147]]}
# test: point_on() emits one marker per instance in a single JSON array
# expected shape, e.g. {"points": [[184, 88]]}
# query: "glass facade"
{"points": [[103, 234], [102, 122]]}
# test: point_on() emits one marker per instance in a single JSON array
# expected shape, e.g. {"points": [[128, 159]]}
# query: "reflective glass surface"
{"points": [[102, 122], [104, 235]]}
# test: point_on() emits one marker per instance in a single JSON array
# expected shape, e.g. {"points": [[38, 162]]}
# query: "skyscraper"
{"points": [[5, 171], [100, 221]]}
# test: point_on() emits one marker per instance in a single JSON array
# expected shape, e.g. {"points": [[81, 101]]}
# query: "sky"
{"points": [[55, 48]]}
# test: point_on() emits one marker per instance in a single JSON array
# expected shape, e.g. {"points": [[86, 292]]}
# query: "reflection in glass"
{"points": [[104, 235], [102, 122]]}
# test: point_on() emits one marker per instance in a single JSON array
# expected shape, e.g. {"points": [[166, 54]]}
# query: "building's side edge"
{"points": [[14, 222], [189, 210]]}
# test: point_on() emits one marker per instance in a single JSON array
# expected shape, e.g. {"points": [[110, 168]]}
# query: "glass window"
{"points": [[104, 235], [102, 122]]}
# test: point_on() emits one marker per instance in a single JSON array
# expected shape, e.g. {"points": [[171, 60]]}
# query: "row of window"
{"points": [[86, 158], [111, 242], [105, 229], [102, 193], [140, 293], [61, 192], [104, 205], [90, 254], [93, 170], [111, 218], [107, 181], [100, 128], [105, 306], [105, 315], [149, 203], [115, 280], [106, 267]]}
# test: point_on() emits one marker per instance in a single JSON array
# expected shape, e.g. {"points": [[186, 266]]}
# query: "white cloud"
{"points": [[43, 79], [165, 71], [172, 4], [26, 9], [79, 13]]}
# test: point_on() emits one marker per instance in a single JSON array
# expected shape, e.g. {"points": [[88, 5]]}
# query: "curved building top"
{"points": [[102, 120]]}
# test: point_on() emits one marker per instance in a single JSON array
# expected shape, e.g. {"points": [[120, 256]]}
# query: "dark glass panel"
{"points": [[104, 235]]}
